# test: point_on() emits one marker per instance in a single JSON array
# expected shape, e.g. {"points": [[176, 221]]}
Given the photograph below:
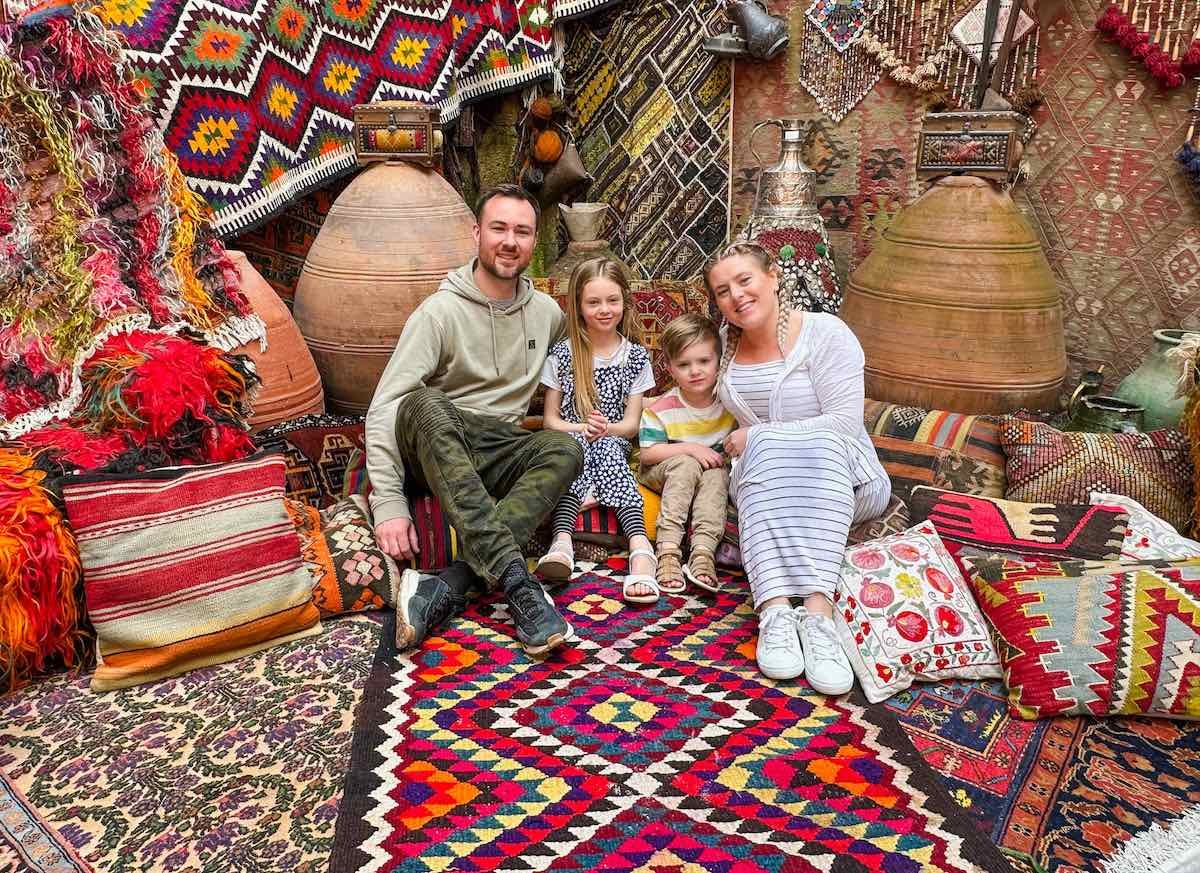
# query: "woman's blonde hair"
{"points": [[577, 335], [766, 263]]}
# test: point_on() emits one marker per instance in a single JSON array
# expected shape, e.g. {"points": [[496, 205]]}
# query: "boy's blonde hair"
{"points": [[577, 336], [688, 328]]}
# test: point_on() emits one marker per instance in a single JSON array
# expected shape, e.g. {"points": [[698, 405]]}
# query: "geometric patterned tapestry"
{"points": [[256, 97], [651, 744], [1114, 211], [653, 129]]}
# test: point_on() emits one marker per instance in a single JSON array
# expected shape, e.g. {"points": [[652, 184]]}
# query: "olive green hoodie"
{"points": [[487, 360]]}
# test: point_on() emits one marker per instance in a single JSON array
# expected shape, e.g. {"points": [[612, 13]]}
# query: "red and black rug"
{"points": [[651, 744]]}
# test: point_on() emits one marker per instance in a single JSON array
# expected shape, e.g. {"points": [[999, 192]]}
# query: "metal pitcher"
{"points": [[786, 193]]}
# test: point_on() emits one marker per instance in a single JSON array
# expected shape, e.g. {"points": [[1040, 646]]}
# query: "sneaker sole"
{"points": [[405, 633], [830, 690], [551, 644], [780, 677]]}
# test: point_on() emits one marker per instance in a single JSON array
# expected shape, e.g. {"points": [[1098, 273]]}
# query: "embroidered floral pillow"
{"points": [[1147, 537], [905, 614]]}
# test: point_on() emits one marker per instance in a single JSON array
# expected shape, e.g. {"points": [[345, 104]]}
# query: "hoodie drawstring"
{"points": [[525, 339], [492, 324]]}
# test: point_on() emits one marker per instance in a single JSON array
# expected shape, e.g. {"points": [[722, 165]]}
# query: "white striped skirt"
{"points": [[797, 495]]}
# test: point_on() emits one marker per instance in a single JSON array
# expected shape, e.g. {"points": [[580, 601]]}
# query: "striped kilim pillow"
{"points": [[187, 567]]}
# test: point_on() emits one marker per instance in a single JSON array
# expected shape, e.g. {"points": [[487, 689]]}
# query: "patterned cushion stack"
{"points": [[938, 448], [186, 567]]}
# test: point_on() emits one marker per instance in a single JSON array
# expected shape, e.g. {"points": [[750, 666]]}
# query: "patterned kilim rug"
{"points": [[653, 127], [1056, 795], [651, 744], [237, 767], [256, 96]]}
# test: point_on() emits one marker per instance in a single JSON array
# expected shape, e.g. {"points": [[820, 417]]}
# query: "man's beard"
{"points": [[489, 265]]}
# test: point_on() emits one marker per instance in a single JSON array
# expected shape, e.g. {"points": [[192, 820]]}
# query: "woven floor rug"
{"points": [[237, 767], [1059, 795], [650, 744], [653, 127], [255, 97]]}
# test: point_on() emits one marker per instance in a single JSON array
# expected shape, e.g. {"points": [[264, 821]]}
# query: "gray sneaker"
{"points": [[423, 603], [540, 627]]}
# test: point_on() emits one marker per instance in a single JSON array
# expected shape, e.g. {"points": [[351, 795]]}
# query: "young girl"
{"points": [[595, 379]]}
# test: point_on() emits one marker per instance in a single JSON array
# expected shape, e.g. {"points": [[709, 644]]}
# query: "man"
{"points": [[447, 408]]}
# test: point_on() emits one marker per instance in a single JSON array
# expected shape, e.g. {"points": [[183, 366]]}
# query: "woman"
{"points": [[804, 468]]}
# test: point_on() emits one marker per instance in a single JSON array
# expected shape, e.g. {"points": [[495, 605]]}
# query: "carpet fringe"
{"points": [[1171, 849]]}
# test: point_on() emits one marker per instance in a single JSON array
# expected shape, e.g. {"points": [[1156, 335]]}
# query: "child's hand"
{"points": [[709, 460], [597, 425]]}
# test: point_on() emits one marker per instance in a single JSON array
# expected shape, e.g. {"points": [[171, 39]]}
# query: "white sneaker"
{"points": [[829, 669], [778, 652]]}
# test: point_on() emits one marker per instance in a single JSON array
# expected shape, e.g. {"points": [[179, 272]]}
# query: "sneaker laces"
{"points": [[822, 639], [527, 600], [779, 628]]}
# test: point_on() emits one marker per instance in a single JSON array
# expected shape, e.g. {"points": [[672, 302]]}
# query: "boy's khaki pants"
{"points": [[685, 485]]}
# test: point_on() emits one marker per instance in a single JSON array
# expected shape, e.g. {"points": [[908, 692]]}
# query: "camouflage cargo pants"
{"points": [[496, 481]]}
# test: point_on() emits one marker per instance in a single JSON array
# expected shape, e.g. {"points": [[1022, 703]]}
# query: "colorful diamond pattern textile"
{"points": [[654, 747], [256, 97]]}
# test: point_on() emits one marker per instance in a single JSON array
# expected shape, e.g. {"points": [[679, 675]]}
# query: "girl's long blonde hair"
{"points": [[766, 262], [577, 335]]}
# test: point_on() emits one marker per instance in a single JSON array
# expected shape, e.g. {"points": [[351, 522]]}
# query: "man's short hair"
{"points": [[687, 329], [507, 189]]}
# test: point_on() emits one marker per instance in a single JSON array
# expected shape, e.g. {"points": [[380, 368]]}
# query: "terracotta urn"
{"points": [[956, 307], [291, 385], [388, 241]]}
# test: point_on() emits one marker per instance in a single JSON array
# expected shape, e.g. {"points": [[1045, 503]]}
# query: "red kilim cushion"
{"points": [[187, 567]]}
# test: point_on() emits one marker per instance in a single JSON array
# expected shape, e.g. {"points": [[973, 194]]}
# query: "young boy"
{"points": [[680, 437]]}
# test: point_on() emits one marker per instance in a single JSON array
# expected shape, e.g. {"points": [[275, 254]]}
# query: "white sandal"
{"points": [[646, 579], [556, 565]]}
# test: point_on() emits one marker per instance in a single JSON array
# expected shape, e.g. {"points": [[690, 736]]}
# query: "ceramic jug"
{"points": [[1152, 384], [1098, 413]]}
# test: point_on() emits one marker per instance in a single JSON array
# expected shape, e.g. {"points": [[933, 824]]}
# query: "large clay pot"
{"points": [[956, 307], [291, 385], [389, 240]]}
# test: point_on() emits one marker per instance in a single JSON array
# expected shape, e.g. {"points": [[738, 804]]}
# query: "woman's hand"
{"points": [[735, 443], [596, 425]]}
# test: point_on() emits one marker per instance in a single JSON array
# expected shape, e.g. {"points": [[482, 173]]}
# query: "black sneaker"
{"points": [[422, 604], [539, 626]]}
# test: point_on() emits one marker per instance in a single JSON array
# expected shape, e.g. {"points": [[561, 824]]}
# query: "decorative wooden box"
{"points": [[397, 130], [986, 143]]}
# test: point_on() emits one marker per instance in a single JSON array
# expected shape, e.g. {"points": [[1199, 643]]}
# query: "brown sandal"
{"points": [[670, 572], [700, 568]]}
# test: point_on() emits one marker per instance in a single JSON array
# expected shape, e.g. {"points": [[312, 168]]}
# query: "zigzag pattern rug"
{"points": [[256, 97], [651, 744]]}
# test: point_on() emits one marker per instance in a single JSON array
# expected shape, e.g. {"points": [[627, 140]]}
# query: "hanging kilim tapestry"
{"points": [[653, 129], [652, 743], [256, 96], [99, 235]]}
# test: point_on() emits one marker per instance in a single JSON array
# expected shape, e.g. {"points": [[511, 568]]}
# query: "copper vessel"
{"points": [[389, 240], [785, 221], [956, 307], [291, 385]]}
